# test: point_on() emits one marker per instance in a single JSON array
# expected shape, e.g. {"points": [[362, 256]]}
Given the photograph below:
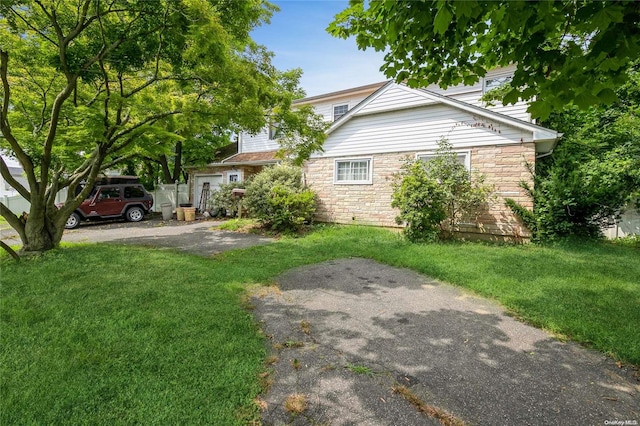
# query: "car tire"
{"points": [[73, 221], [134, 214]]}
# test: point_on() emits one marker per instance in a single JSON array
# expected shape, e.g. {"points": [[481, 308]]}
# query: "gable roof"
{"points": [[340, 93], [421, 97], [261, 157]]}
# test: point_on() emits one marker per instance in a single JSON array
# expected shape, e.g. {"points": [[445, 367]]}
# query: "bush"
{"points": [[279, 200], [433, 196], [222, 202], [420, 199], [593, 173]]}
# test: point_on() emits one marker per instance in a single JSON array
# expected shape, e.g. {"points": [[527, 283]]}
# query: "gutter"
{"points": [[546, 154]]}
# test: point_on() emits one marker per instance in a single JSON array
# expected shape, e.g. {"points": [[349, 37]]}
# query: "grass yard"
{"points": [[104, 334]]}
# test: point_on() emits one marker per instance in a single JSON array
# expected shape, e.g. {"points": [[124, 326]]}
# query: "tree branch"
{"points": [[13, 221], [6, 174], [28, 24], [144, 122], [5, 128]]}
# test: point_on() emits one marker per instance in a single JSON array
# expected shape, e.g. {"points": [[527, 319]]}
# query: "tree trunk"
{"points": [[43, 229], [177, 161], [166, 173]]}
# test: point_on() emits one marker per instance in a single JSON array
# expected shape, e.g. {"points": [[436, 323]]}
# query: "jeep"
{"points": [[124, 200]]}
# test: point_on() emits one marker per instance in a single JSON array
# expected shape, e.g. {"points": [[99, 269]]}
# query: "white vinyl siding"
{"points": [[325, 108], [472, 94], [395, 97], [418, 129], [258, 142], [353, 171]]}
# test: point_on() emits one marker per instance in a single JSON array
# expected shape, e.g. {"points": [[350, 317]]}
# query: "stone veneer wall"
{"points": [[503, 165]]}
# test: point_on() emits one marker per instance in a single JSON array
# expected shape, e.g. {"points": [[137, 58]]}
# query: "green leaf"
{"points": [[442, 19], [540, 109], [607, 96]]}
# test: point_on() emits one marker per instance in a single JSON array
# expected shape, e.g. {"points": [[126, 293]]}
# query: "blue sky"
{"points": [[298, 38]]}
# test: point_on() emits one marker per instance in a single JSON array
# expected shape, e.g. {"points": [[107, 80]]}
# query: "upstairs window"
{"points": [[495, 82], [274, 131], [339, 111]]}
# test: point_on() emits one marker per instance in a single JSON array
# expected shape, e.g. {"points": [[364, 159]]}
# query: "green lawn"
{"points": [[104, 334]]}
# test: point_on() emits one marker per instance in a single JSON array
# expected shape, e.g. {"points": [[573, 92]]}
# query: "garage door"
{"points": [[200, 199]]}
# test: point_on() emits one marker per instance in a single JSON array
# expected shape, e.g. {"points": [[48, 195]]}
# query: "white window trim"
{"points": [[467, 159], [494, 77], [234, 173], [333, 110], [368, 181]]}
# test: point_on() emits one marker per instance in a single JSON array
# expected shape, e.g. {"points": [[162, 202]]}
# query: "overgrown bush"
{"points": [[593, 173], [433, 196], [222, 202], [279, 200]]}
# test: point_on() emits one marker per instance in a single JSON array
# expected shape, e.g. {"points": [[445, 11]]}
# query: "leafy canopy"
{"points": [[87, 85], [594, 172], [566, 51]]}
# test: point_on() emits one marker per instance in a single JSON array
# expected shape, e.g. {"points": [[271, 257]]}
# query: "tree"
{"points": [[88, 85], [566, 52], [434, 195], [593, 173]]}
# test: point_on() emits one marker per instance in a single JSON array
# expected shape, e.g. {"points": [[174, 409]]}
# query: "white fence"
{"points": [[628, 224], [162, 194], [175, 194]]}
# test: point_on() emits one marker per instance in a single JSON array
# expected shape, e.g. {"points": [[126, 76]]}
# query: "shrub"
{"points": [[433, 196], [222, 201], [421, 202], [279, 200]]}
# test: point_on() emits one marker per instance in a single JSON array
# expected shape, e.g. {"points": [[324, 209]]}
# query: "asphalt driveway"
{"points": [[196, 237], [368, 344]]}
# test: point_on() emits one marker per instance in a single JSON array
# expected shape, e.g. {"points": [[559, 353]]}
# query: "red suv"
{"points": [[110, 200]]}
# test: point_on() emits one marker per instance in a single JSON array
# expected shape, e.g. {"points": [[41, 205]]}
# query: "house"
{"points": [[16, 171], [375, 127]]}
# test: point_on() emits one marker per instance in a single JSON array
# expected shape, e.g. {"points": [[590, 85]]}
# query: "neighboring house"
{"points": [[375, 127], [6, 190]]}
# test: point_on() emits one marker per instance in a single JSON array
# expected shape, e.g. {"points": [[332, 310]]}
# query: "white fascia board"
{"points": [[538, 132]]}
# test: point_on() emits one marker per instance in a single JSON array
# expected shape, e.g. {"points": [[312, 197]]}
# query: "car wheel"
{"points": [[134, 214], [73, 221]]}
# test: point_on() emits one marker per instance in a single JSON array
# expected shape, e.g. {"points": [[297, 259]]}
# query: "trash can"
{"points": [[180, 213], [167, 211], [189, 214]]}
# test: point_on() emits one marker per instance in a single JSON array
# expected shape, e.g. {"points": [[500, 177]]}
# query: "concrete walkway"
{"points": [[360, 340]]}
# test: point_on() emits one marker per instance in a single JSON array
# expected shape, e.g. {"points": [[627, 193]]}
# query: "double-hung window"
{"points": [[353, 171], [463, 157], [339, 111]]}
